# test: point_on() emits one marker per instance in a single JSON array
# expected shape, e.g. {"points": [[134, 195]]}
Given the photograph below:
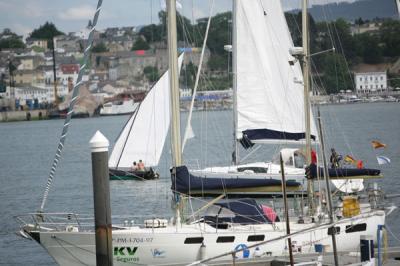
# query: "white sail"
{"points": [[398, 6], [269, 87], [144, 134]]}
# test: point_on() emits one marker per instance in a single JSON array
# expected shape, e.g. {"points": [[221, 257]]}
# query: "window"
{"points": [[254, 238], [194, 240], [360, 87], [370, 78], [381, 78], [225, 239], [356, 228], [360, 79]]}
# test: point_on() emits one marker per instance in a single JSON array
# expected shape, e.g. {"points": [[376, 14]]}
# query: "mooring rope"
{"points": [[75, 93]]}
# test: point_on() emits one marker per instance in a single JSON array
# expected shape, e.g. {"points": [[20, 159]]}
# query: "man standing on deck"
{"points": [[334, 159]]}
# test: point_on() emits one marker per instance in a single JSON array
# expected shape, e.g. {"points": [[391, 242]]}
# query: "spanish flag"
{"points": [[349, 159], [376, 144]]}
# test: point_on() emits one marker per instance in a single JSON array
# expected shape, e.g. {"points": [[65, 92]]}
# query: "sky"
{"points": [[22, 16]]}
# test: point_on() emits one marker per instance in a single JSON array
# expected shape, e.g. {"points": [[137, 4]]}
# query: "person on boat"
{"points": [[334, 159], [141, 166], [313, 157], [134, 166]]}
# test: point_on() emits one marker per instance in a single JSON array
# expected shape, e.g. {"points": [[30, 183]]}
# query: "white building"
{"points": [[185, 93], [368, 82], [31, 93]]}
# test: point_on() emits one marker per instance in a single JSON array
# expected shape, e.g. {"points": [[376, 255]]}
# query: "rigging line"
{"points": [[197, 78], [75, 93]]}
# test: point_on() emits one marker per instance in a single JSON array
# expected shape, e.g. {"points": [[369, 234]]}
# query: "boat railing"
{"points": [[79, 222]]}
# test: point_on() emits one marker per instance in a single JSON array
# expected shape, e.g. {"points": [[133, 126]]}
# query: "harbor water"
{"points": [[27, 150]]}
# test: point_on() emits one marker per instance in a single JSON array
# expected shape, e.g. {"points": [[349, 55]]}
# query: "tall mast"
{"points": [[306, 80], [174, 84], [234, 71]]}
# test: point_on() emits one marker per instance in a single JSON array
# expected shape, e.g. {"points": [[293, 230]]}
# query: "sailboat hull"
{"points": [[156, 246], [148, 174]]}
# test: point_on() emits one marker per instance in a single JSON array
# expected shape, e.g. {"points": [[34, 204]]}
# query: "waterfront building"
{"points": [[370, 82]]}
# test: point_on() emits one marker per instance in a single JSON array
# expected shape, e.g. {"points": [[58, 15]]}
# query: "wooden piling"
{"points": [[101, 195]]}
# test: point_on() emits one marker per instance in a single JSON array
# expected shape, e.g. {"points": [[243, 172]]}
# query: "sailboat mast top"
{"points": [[234, 72], [174, 84]]}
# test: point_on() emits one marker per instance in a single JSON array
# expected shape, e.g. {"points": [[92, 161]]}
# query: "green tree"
{"points": [[183, 25], [390, 37], [219, 33], [217, 62], [99, 48], [11, 42], [336, 76], [369, 48], [151, 73], [152, 33], [47, 32], [3, 86], [189, 77], [140, 44], [394, 80]]}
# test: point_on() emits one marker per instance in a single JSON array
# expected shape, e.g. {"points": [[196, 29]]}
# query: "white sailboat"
{"points": [[143, 136], [226, 226], [269, 107], [122, 107]]}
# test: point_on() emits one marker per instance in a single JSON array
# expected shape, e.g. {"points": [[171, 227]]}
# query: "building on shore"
{"points": [[371, 82]]}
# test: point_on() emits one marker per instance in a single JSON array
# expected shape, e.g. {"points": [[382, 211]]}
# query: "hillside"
{"points": [[366, 9]]}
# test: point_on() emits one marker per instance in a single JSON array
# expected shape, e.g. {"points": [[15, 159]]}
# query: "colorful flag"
{"points": [[383, 160], [349, 159], [376, 144]]}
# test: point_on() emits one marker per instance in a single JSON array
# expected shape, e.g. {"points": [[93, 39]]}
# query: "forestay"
{"points": [[143, 136], [269, 81]]}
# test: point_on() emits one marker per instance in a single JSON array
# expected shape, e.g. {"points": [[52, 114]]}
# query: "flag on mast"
{"points": [[377, 144], [383, 160], [349, 159]]}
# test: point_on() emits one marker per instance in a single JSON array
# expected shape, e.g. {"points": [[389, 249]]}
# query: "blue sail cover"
{"points": [[261, 134], [247, 211], [312, 172], [184, 182]]}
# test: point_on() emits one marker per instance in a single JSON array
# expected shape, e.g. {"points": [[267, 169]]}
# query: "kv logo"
{"points": [[124, 251]]}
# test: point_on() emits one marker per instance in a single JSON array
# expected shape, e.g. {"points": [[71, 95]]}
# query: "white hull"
{"points": [[122, 108], [166, 246]]}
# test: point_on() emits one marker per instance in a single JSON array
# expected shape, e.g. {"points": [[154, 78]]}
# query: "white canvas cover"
{"points": [[144, 134], [269, 89]]}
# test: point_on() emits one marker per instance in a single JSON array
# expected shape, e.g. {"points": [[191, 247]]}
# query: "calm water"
{"points": [[27, 150]]}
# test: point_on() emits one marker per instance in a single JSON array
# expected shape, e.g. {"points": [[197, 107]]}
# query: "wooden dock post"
{"points": [[101, 195]]}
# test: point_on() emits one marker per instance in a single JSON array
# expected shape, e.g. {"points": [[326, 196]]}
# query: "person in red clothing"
{"points": [[313, 156]]}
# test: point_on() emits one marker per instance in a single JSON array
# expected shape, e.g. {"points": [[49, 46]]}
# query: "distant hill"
{"points": [[366, 9]]}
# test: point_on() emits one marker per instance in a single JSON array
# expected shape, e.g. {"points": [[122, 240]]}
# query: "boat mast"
{"points": [[174, 85], [306, 80], [234, 72]]}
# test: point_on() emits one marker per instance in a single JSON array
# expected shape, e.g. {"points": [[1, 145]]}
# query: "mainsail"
{"points": [[144, 134], [269, 80]]}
